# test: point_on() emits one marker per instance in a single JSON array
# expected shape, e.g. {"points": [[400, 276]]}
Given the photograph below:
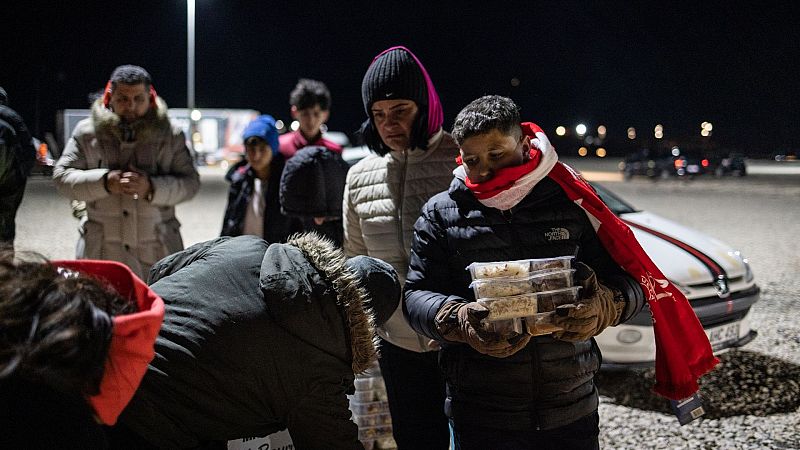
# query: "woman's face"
{"points": [[259, 153], [484, 154], [394, 120]]}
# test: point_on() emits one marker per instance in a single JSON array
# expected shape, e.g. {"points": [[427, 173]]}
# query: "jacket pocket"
{"points": [[90, 244], [169, 234]]}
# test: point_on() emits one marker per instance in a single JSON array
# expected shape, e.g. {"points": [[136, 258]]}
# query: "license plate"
{"points": [[693, 168], [721, 337]]}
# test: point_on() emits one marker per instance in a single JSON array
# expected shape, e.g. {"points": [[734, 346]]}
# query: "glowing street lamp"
{"points": [[560, 131], [580, 129]]}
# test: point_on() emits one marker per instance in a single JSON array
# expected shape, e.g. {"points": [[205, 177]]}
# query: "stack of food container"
{"points": [[371, 411], [521, 296]]}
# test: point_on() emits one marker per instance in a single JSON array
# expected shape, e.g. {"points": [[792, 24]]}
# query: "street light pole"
{"points": [[190, 55]]}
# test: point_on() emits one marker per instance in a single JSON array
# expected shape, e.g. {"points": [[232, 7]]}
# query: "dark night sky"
{"points": [[614, 63]]}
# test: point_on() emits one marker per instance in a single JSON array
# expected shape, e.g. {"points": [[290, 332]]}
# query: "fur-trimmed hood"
{"points": [[156, 119], [308, 275]]}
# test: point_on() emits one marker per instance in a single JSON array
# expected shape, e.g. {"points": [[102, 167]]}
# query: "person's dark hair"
{"points": [[308, 93], [129, 74], [487, 113], [56, 325]]}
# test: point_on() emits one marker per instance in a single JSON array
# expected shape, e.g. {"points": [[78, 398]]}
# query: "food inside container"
{"points": [[369, 407], [501, 308], [506, 287], [374, 432], [558, 263], [542, 322], [371, 420], [508, 328], [499, 269]]}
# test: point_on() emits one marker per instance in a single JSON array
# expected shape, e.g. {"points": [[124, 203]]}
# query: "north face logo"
{"points": [[557, 234]]}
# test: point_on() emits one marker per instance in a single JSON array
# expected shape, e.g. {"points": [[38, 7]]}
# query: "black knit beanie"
{"points": [[394, 75]]}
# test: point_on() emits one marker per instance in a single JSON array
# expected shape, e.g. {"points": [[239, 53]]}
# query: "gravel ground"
{"points": [[752, 399]]}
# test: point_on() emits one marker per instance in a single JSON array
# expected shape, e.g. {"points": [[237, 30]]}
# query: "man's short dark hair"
{"points": [[129, 74], [490, 112], [308, 93]]}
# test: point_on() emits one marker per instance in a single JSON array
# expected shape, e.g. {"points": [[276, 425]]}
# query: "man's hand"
{"points": [[113, 181], [596, 311], [135, 183], [461, 322]]}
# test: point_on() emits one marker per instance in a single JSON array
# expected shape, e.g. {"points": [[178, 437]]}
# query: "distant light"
{"points": [[590, 140], [709, 126], [658, 131], [704, 132], [704, 163], [196, 115], [583, 151], [279, 124], [601, 130], [631, 133], [197, 137], [295, 125], [580, 129], [676, 151], [561, 131], [515, 82], [600, 152]]}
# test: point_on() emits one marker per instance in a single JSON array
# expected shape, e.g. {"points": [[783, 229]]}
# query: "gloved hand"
{"points": [[461, 322], [599, 308]]}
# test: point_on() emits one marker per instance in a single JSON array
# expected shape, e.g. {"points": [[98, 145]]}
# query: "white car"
{"points": [[715, 278]]}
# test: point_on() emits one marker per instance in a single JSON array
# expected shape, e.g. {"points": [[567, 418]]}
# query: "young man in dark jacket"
{"points": [[253, 203], [523, 392]]}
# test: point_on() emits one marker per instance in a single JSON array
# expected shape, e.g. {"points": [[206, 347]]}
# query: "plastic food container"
{"points": [[385, 443], [374, 432], [557, 263], [499, 269], [364, 396], [502, 308], [542, 322], [363, 409], [372, 420], [519, 268], [506, 287], [364, 384], [507, 328]]}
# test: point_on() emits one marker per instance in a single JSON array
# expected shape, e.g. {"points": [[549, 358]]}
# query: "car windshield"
{"points": [[614, 203]]}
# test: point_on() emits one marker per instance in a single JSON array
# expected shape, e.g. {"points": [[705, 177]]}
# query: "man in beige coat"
{"points": [[131, 166]]}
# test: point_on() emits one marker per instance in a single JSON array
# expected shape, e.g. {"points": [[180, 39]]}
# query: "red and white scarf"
{"points": [[683, 353]]}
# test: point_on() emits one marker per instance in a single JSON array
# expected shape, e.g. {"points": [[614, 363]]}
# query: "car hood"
{"points": [[686, 256]]}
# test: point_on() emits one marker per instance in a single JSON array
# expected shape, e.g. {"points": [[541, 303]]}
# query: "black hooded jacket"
{"points": [[254, 341], [277, 226], [547, 384]]}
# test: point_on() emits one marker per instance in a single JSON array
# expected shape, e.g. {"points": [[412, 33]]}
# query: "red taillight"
{"points": [[704, 163], [678, 163]]}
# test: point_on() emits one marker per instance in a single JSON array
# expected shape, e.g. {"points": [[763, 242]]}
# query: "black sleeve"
{"points": [[426, 272], [321, 420], [27, 151]]}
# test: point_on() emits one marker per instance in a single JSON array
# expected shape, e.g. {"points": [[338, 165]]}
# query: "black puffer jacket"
{"points": [[254, 340], [312, 185], [547, 384], [277, 226]]}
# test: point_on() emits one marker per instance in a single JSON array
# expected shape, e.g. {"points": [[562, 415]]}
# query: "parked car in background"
{"points": [[716, 279]]}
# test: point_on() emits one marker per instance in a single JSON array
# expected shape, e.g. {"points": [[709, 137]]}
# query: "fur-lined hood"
{"points": [[156, 119], [308, 274]]}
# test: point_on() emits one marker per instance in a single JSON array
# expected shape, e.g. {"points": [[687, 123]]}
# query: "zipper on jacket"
{"points": [[400, 204]]}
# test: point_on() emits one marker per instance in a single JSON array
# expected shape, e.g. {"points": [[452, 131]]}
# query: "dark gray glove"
{"points": [[599, 308], [461, 322]]}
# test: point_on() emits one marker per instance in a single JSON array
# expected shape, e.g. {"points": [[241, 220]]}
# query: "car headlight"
{"points": [[629, 336]]}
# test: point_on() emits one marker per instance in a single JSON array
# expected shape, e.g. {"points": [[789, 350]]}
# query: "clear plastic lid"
{"points": [[518, 268], [507, 286], [542, 322], [510, 307]]}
